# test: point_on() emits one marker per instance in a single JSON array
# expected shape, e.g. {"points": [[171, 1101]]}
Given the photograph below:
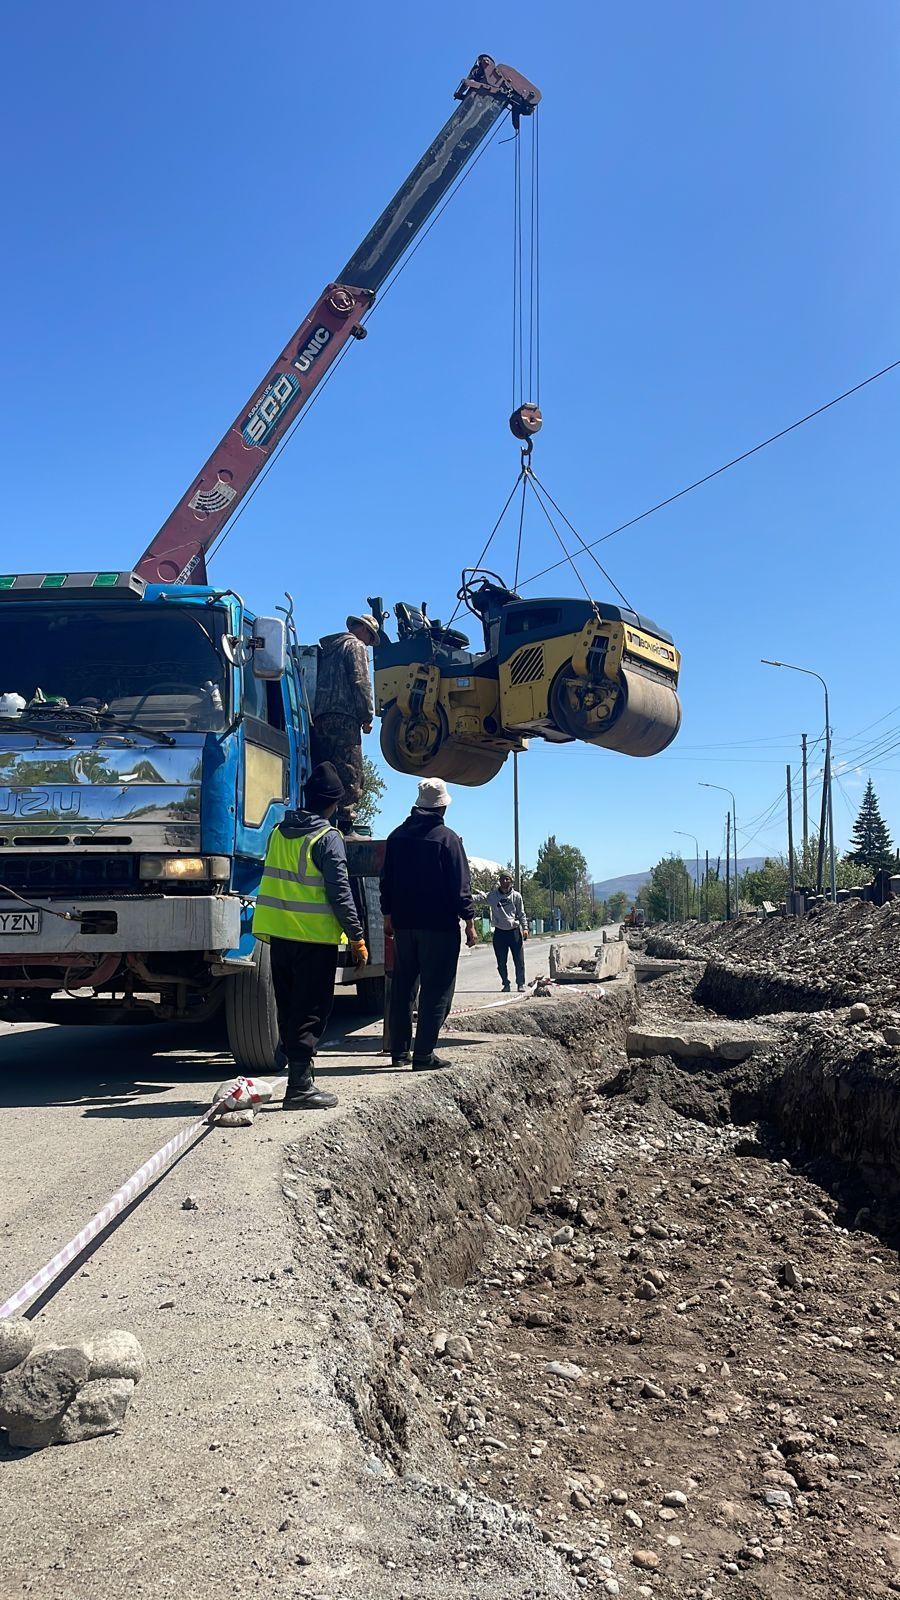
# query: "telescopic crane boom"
{"points": [[178, 552]]}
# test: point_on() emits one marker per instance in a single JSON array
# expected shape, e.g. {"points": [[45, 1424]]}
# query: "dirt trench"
{"points": [[634, 1323]]}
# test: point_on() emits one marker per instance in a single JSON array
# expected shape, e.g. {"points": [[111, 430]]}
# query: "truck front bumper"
{"points": [[131, 926]]}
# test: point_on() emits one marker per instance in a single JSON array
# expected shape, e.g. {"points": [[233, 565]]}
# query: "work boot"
{"points": [[430, 1062], [402, 1060], [505, 988], [521, 988], [303, 1094]]}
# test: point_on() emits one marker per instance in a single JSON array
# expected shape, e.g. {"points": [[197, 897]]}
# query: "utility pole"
{"points": [[827, 801], [823, 830], [706, 890], [516, 862], [724, 790], [728, 866], [805, 801], [790, 822]]}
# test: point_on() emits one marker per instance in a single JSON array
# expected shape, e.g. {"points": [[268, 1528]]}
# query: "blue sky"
{"points": [[719, 255]]}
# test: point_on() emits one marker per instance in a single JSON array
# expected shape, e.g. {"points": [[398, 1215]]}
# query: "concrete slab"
{"points": [[698, 1041]]}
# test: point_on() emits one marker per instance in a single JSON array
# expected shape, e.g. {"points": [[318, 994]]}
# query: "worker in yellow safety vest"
{"points": [[304, 909]]}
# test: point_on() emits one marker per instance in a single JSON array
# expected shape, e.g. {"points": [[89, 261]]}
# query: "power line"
{"points": [[736, 460]]}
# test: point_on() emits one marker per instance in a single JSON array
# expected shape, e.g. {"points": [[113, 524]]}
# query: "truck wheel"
{"points": [[250, 1018], [370, 997]]}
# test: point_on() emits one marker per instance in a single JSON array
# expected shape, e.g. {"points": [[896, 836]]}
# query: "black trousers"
{"points": [[303, 980], [429, 957], [506, 939]]}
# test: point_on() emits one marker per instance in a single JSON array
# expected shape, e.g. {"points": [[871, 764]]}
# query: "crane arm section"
{"points": [[178, 552]]}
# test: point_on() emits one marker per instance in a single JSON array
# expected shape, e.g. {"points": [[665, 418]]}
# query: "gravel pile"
{"points": [[843, 954]]}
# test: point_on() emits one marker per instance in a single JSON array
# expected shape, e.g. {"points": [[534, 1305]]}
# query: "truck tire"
{"points": [[370, 997], [250, 1018]]}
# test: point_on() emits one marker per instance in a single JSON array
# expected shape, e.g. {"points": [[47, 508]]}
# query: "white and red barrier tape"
{"points": [[242, 1092]]}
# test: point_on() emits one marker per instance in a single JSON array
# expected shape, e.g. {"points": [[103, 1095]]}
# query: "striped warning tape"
{"points": [[241, 1092]]}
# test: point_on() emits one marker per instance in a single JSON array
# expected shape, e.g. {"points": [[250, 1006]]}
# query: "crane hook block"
{"points": [[525, 422]]}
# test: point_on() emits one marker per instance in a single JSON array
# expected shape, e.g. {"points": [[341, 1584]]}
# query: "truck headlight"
{"points": [[183, 869]]}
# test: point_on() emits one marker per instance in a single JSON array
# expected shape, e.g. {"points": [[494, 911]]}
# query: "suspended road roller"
{"points": [[554, 669]]}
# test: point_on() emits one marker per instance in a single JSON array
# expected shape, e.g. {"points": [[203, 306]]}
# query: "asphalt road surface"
{"points": [[82, 1108]]}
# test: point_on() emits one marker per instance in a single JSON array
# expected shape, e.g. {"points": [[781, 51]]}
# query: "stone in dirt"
{"points": [[116, 1354], [778, 1499], [860, 1012], [16, 1341], [646, 1559], [98, 1408], [457, 1347], [34, 1396], [653, 1391], [563, 1369]]}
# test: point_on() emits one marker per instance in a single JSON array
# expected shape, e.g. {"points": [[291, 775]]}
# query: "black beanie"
{"points": [[323, 785]]}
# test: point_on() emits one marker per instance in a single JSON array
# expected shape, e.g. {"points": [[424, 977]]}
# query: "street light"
{"points": [[807, 672], [721, 787], [684, 835]]}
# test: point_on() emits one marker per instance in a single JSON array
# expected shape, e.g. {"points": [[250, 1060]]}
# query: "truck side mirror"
{"points": [[269, 648]]}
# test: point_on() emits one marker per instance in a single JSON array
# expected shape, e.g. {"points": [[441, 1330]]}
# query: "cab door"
{"points": [[265, 780]]}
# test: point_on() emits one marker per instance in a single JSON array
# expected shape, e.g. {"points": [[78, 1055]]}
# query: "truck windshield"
{"points": [[156, 665]]}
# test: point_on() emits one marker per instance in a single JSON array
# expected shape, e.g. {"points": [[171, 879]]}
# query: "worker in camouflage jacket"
{"points": [[345, 707]]}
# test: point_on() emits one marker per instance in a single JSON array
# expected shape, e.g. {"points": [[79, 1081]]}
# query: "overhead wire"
{"points": [[726, 467]]}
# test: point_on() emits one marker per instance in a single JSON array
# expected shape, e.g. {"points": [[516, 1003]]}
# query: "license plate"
{"points": [[13, 922]]}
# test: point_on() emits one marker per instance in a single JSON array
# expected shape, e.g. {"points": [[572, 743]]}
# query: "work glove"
{"points": [[359, 952]]}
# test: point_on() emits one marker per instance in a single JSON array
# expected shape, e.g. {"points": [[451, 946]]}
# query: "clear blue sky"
{"points": [[720, 255]]}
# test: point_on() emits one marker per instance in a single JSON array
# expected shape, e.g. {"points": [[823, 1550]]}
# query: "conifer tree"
{"points": [[870, 842]]}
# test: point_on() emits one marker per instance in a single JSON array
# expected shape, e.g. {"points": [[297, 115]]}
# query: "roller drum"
{"points": [[648, 719]]}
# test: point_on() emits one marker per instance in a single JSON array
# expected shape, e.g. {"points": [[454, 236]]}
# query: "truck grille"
{"points": [[44, 876]]}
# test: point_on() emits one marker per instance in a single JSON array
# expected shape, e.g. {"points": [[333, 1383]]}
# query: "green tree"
{"points": [[616, 906], [668, 895], [535, 896], [562, 870], [870, 842], [771, 881], [373, 787]]}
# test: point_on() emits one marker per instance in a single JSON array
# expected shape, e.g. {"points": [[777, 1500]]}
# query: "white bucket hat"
{"points": [[433, 794]]}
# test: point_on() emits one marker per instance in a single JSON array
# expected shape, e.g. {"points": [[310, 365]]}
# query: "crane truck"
{"points": [[154, 727]]}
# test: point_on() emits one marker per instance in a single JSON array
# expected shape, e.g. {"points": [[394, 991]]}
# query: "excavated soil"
{"points": [[728, 1339], [552, 1322], [681, 1364], [832, 957]]}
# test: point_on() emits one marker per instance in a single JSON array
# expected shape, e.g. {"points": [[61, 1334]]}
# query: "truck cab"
{"points": [[151, 736]]}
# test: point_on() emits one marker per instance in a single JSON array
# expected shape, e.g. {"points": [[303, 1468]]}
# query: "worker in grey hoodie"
{"points": [[510, 925]]}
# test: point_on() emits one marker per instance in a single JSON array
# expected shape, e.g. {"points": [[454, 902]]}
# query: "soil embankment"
{"points": [[557, 1321]]}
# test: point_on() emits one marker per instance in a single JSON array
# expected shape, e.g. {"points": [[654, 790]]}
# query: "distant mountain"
{"points": [[631, 882]]}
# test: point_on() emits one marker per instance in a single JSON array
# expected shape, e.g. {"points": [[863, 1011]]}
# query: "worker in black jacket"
{"points": [[425, 893]]}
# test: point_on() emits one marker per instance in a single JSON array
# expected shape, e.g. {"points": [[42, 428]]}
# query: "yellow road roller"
{"points": [[554, 669]]}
